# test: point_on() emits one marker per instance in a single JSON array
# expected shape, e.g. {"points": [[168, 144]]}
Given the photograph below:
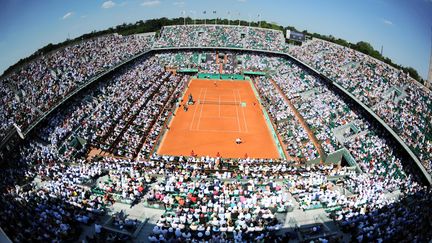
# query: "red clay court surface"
{"points": [[209, 129]]}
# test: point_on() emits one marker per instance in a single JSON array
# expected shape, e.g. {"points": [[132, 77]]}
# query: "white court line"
{"points": [[222, 117], [222, 131], [199, 118], [238, 120], [216, 101], [244, 116], [196, 107]]}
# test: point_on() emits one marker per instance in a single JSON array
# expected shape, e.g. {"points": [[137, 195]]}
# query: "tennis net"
{"points": [[217, 102]]}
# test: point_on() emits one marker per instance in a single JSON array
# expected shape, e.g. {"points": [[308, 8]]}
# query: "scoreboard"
{"points": [[294, 35]]}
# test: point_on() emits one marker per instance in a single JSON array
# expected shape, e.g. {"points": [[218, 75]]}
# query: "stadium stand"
{"points": [[220, 36], [43, 82], [100, 150], [398, 99]]}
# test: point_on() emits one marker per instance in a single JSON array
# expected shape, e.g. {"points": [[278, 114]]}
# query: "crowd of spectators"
{"points": [[394, 96], [38, 85], [7, 103], [406, 220], [201, 60], [323, 110], [212, 208], [294, 137], [399, 100], [220, 36], [199, 204], [52, 207], [54, 187]]}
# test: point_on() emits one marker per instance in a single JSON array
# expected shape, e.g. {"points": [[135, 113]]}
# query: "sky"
{"points": [[402, 27]]}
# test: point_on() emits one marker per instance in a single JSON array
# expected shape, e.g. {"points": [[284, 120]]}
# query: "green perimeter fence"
{"points": [[220, 76]]}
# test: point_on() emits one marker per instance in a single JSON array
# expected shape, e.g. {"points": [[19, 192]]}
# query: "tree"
{"points": [[413, 73]]}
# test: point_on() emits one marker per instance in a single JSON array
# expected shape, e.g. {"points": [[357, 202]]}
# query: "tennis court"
{"points": [[223, 111]]}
